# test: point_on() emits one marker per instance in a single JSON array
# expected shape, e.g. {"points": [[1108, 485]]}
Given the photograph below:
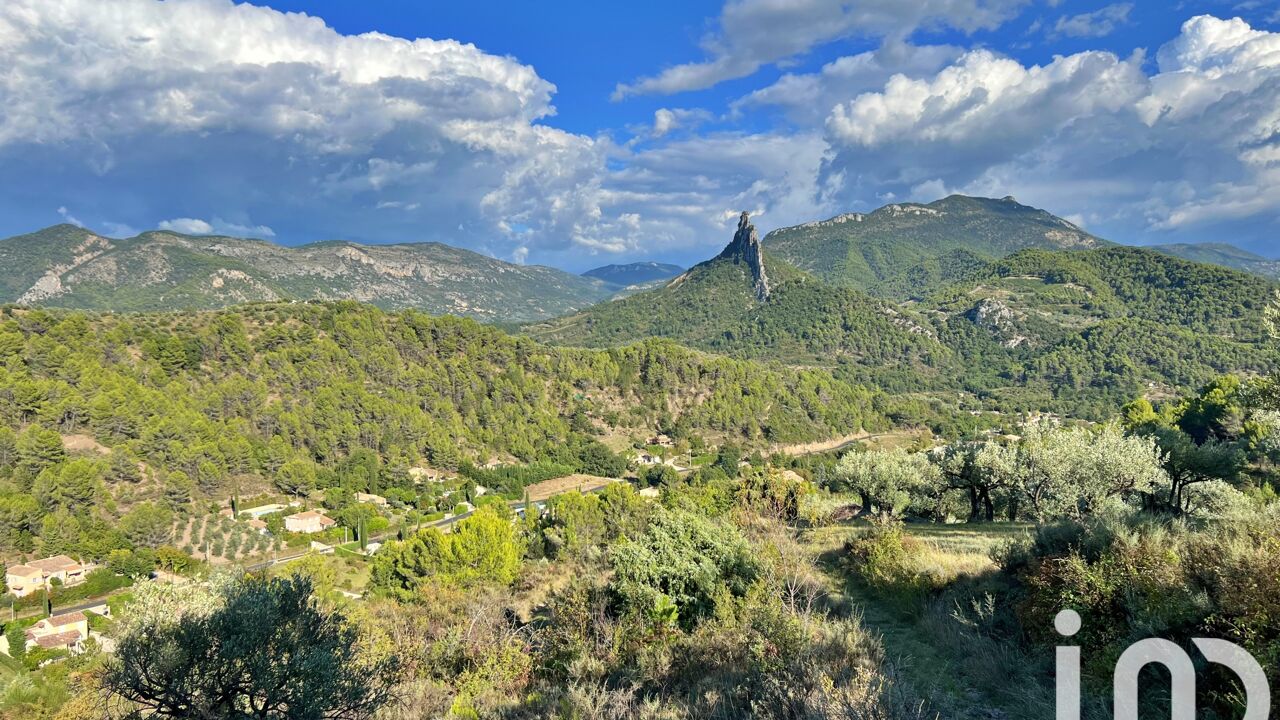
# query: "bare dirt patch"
{"points": [[819, 446], [580, 482], [84, 443]]}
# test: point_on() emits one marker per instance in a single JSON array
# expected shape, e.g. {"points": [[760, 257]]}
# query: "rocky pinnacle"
{"points": [[746, 248]]}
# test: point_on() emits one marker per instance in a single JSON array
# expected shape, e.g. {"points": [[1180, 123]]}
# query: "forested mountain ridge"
{"points": [[1225, 255], [745, 303], [1074, 289], [68, 266], [1070, 330], [866, 251], [316, 381], [1085, 328]]}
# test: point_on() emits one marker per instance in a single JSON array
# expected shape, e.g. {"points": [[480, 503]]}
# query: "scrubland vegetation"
{"points": [[901, 580]]}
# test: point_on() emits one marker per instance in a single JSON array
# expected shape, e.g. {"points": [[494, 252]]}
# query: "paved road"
{"points": [[38, 610]]}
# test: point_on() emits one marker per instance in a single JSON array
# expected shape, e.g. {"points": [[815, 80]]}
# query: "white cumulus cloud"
{"points": [[753, 33], [187, 226], [206, 107], [1089, 134], [1099, 23]]}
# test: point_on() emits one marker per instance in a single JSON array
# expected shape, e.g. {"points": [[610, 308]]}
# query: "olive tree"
{"points": [[247, 648], [1073, 472], [979, 469], [888, 481], [1188, 464]]}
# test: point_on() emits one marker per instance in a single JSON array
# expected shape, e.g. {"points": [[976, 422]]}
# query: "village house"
{"points": [[371, 498], [645, 458], [60, 632], [37, 575], [259, 525], [308, 521]]}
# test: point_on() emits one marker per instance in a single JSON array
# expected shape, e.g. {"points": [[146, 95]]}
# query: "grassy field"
{"points": [[961, 677]]}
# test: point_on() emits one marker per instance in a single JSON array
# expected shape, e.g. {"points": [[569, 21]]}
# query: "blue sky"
{"points": [[582, 133]]}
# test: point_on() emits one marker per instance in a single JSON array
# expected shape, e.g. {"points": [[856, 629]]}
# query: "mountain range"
{"points": [[1018, 308], [1224, 255], [1008, 303], [633, 274], [910, 246], [69, 266], [899, 252]]}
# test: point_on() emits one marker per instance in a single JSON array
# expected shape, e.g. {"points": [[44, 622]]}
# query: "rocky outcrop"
{"points": [[1000, 320], [837, 220], [745, 248]]}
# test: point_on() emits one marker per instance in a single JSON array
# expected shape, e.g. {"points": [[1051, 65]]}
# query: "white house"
{"points": [[371, 499]]}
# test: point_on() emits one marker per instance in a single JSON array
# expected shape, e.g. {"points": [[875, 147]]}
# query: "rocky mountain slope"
{"points": [[1076, 330], [745, 303], [68, 266]]}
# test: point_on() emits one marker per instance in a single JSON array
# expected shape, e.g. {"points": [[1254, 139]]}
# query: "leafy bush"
{"points": [[688, 559], [1136, 578]]}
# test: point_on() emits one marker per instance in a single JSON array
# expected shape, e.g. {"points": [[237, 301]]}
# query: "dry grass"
{"points": [[582, 483], [937, 642]]}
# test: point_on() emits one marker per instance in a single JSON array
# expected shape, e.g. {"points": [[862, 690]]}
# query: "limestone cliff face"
{"points": [[745, 248]]}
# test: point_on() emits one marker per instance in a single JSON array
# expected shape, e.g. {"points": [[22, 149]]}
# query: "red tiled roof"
{"points": [[59, 640], [311, 515], [67, 619]]}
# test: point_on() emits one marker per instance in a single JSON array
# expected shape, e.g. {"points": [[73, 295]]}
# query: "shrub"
{"points": [[906, 569], [1138, 579], [692, 561], [886, 559]]}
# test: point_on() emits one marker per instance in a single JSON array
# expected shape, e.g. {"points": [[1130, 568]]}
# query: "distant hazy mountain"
{"points": [[68, 266], [1225, 255], [878, 251], [636, 273]]}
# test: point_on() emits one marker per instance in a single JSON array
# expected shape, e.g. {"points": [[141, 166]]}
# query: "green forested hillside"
{"points": [[1043, 292], [881, 250], [283, 395], [712, 307], [1076, 331]]}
